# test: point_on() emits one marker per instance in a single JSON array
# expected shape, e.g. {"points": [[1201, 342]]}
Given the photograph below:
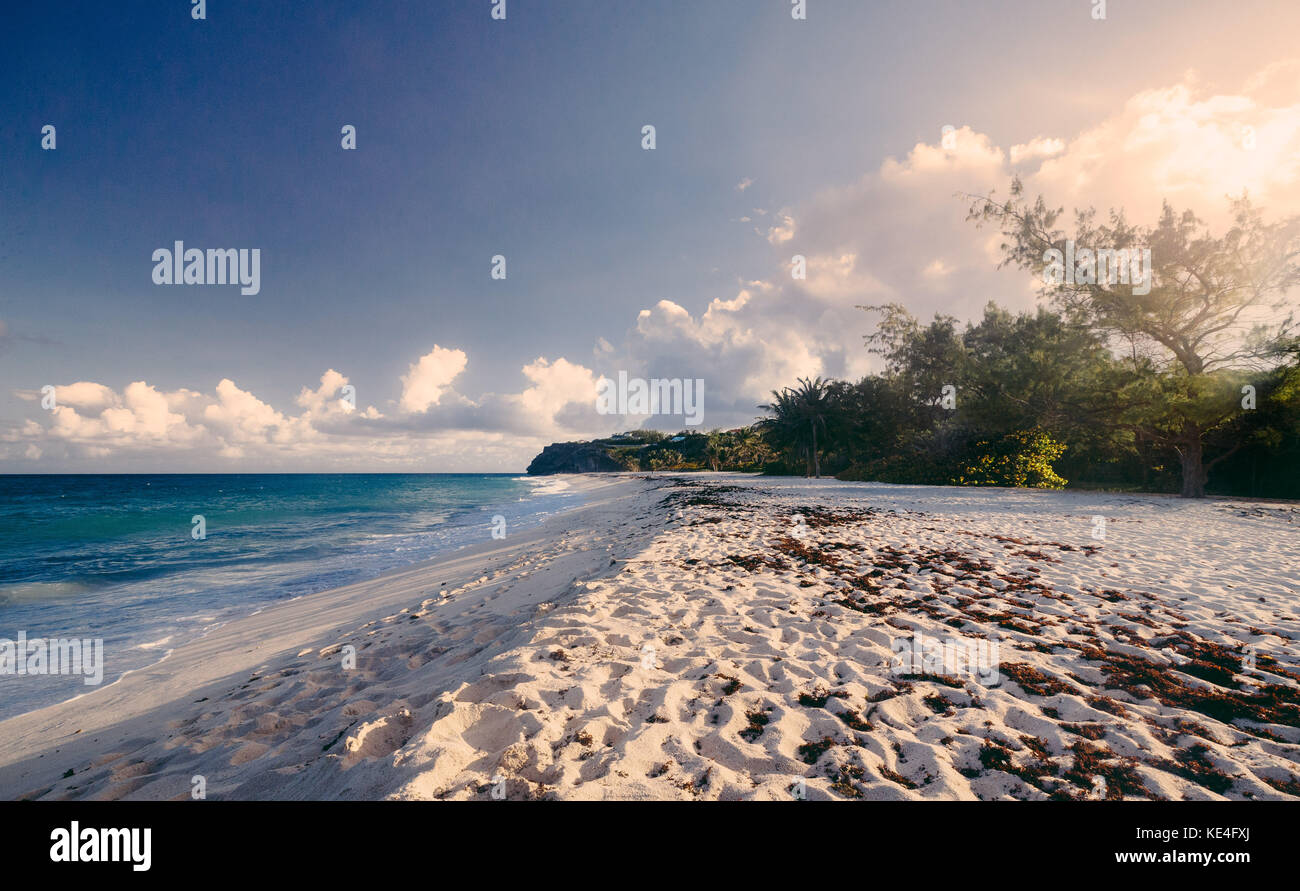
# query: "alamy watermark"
{"points": [[657, 396], [1086, 266], [102, 845], [948, 656], [229, 266], [53, 656]]}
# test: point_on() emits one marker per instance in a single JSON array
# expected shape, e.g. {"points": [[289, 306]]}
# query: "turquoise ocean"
{"points": [[114, 557]]}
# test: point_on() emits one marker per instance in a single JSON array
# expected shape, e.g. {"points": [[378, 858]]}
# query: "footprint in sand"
{"points": [[375, 739]]}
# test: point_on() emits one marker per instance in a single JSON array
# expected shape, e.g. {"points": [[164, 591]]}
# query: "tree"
{"points": [[717, 449], [1194, 316], [1031, 370], [1010, 379], [919, 361], [750, 450], [664, 459], [797, 416]]}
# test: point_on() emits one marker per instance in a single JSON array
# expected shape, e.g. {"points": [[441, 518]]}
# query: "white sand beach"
{"points": [[714, 636]]}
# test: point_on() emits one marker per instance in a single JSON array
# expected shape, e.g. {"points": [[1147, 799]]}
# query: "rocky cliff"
{"points": [[574, 457]]}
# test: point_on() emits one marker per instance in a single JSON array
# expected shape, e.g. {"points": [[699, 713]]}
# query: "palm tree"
{"points": [[751, 449], [716, 450], [797, 415]]}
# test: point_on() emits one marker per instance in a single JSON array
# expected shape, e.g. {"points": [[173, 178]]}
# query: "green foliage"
{"points": [[629, 457], [797, 416], [1207, 311], [1015, 374], [665, 459], [743, 450], [1022, 459]]}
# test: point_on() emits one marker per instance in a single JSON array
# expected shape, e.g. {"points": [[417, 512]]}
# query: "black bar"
{"points": [[714, 842]]}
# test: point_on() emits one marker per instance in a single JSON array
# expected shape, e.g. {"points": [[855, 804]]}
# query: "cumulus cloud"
{"points": [[431, 421], [242, 417], [87, 395], [1191, 148], [555, 387], [430, 378], [1040, 147], [740, 347], [96, 417], [326, 398]]}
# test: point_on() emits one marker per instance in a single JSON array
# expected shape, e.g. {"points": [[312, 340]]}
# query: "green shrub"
{"points": [[1022, 459]]}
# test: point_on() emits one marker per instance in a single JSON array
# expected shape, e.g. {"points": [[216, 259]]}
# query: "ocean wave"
{"points": [[154, 644], [40, 592], [546, 485]]}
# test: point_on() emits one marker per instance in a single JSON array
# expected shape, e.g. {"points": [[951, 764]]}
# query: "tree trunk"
{"points": [[817, 466], [1194, 475]]}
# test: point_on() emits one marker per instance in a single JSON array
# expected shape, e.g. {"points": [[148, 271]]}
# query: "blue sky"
{"points": [[522, 137]]}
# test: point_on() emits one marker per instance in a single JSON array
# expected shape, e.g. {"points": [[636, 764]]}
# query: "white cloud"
{"points": [[327, 398], [430, 378], [242, 417], [1193, 149], [1039, 147], [555, 385], [86, 395], [235, 426], [783, 231]]}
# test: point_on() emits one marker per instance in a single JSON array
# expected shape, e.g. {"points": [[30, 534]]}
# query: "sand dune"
{"points": [[723, 637]]}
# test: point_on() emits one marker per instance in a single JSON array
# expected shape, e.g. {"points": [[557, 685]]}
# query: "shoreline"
{"points": [[118, 713], [177, 620], [718, 636]]}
